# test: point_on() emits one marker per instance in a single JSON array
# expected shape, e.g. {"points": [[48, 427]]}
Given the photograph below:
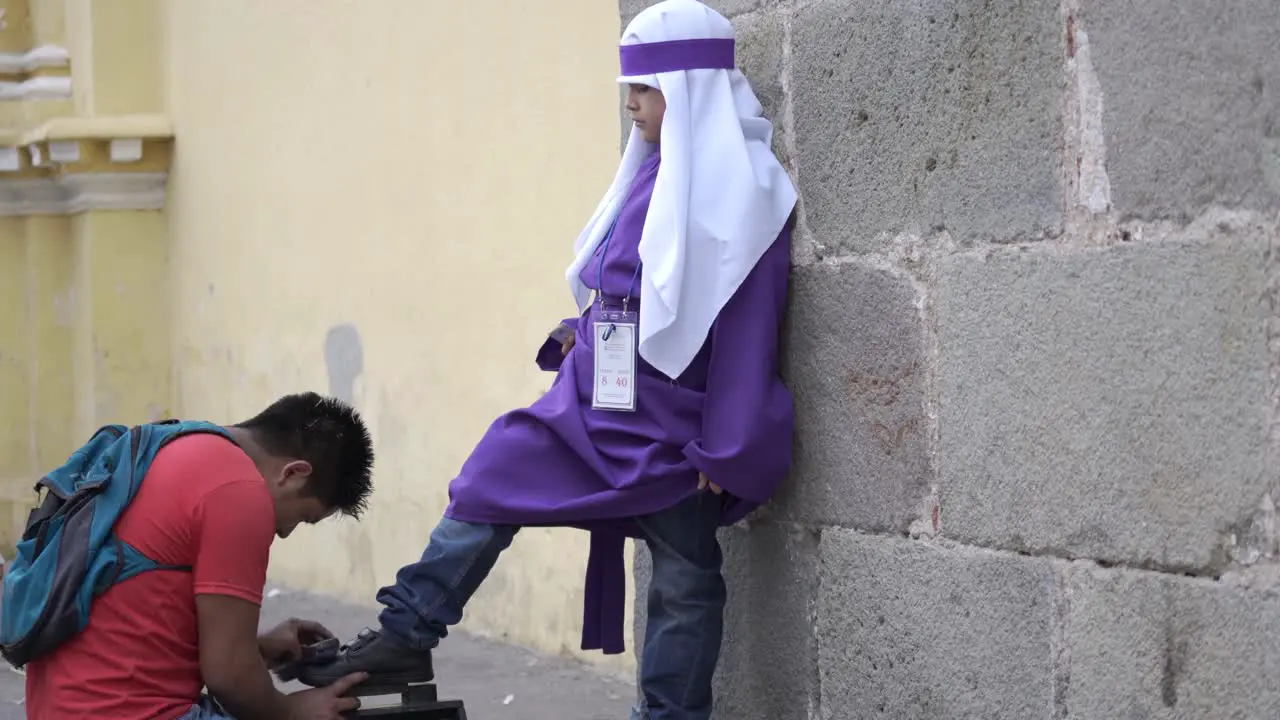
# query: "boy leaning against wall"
{"points": [[668, 417]]}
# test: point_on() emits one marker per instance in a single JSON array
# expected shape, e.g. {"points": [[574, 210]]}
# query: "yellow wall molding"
{"points": [[10, 78], [52, 158], [73, 165], [74, 194], [42, 73], [148, 127]]}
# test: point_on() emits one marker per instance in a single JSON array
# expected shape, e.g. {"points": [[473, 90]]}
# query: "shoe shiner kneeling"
{"points": [[668, 417], [180, 614]]}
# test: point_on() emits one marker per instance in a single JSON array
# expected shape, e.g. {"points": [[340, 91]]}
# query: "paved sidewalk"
{"points": [[497, 681]]}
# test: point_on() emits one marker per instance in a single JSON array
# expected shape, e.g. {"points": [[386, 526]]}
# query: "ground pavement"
{"points": [[497, 681]]}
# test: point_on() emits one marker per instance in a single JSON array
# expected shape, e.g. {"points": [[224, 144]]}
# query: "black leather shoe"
{"points": [[387, 661]]}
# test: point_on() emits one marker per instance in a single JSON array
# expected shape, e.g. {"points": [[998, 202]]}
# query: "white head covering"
{"points": [[720, 199]]}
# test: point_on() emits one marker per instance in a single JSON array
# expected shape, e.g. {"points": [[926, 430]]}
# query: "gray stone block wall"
{"points": [[1034, 342]]}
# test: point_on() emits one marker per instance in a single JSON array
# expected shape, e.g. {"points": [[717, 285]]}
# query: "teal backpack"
{"points": [[69, 553]]}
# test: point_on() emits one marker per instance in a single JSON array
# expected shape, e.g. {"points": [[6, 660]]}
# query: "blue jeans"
{"points": [[206, 709], [685, 604]]}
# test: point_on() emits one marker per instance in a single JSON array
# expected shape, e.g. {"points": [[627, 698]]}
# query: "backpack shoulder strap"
{"points": [[148, 441]]}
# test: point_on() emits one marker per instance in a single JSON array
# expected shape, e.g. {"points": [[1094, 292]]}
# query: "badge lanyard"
{"points": [[615, 345]]}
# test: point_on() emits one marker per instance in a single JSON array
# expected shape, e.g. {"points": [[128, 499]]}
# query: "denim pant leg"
{"points": [[686, 610], [429, 595], [207, 709]]}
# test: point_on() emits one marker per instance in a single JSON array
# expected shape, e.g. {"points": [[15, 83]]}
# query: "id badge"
{"points": [[615, 362]]}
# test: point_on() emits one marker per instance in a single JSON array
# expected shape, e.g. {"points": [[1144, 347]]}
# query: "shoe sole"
{"points": [[412, 692], [398, 681]]}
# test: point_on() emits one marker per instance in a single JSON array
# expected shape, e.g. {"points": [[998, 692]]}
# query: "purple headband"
{"points": [[671, 55]]}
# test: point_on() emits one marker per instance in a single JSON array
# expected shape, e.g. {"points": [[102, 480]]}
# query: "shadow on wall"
{"points": [[344, 361]]}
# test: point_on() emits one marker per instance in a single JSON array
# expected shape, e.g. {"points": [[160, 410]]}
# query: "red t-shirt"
{"points": [[203, 504]]}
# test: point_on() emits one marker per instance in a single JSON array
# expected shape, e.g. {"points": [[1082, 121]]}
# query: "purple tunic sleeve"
{"points": [[550, 355], [748, 417]]}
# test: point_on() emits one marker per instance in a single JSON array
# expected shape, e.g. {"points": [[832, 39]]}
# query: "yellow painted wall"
{"points": [[51, 299], [116, 49], [409, 176], [121, 366], [84, 282], [48, 22], [15, 401], [14, 352], [36, 387], [15, 28]]}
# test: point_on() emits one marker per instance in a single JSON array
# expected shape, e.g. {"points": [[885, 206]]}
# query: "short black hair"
{"points": [[330, 435]]}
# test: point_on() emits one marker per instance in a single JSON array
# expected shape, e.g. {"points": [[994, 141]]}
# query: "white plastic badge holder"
{"points": [[615, 362]]}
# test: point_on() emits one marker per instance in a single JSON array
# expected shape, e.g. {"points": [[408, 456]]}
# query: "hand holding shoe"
{"points": [[285, 643], [325, 703]]}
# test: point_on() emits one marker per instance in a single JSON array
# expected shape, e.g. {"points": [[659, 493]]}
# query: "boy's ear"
{"points": [[294, 476]]}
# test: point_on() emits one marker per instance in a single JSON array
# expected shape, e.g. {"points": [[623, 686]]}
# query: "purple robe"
{"points": [[559, 462]]}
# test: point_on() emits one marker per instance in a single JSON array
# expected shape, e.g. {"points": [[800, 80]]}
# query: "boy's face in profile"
{"points": [[647, 106]]}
